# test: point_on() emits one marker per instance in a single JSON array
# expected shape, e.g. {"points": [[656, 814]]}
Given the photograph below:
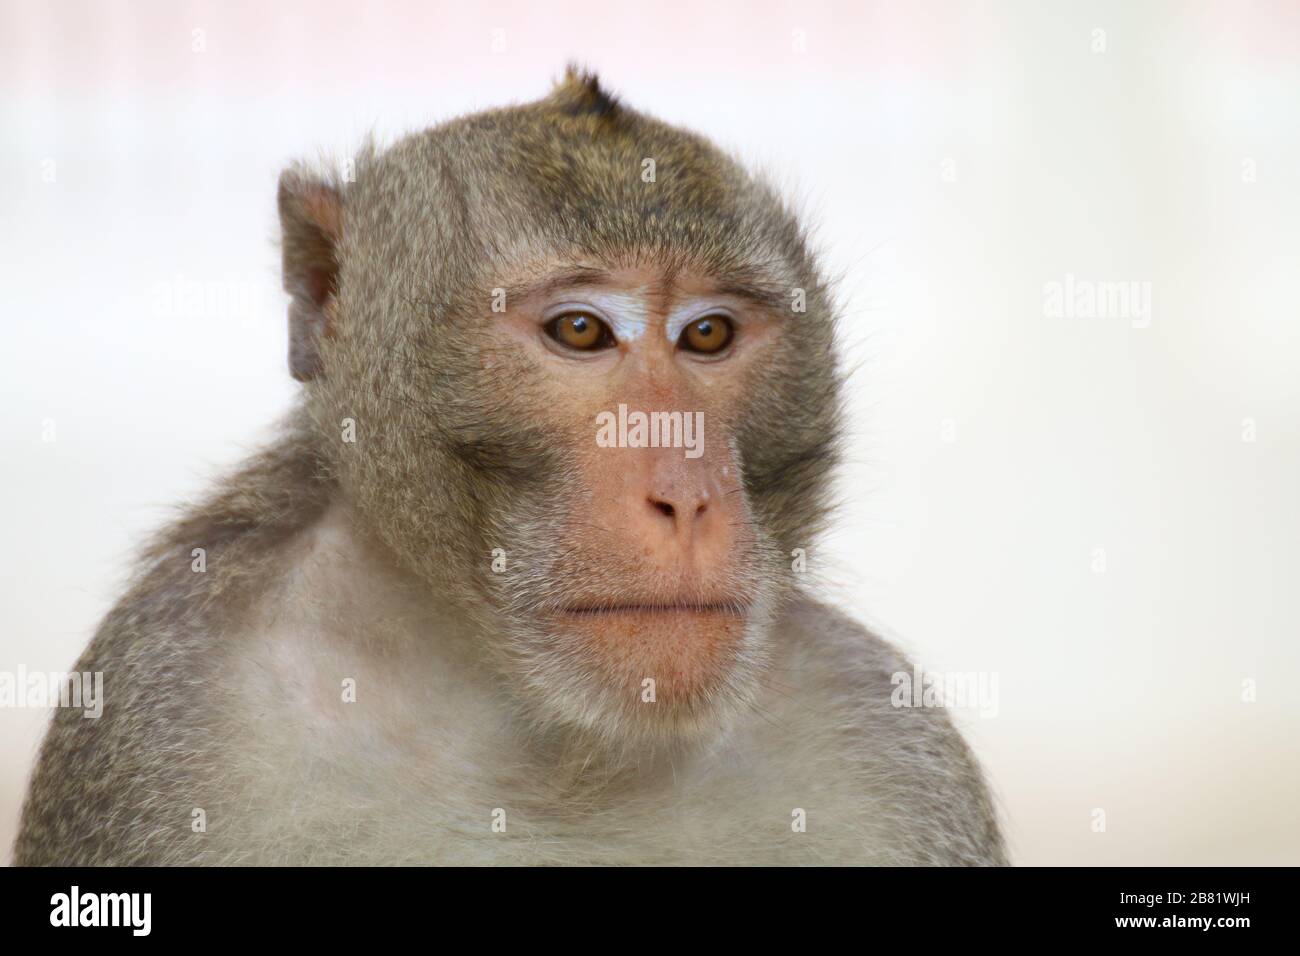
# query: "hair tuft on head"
{"points": [[580, 94]]}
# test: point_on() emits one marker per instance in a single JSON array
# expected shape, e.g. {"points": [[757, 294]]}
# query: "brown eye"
{"points": [[580, 331], [707, 335]]}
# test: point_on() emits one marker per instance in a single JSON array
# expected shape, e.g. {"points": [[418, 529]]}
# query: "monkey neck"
{"points": [[347, 585]]}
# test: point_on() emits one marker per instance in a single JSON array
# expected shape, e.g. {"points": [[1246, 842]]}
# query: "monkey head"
{"points": [[588, 360]]}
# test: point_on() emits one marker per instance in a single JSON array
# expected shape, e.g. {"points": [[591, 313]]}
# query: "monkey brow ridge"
{"points": [[578, 276]]}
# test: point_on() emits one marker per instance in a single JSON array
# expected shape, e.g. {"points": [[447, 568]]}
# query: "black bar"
{"points": [[655, 906]]}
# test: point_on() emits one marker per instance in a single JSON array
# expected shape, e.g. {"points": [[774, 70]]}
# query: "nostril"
{"points": [[664, 508]]}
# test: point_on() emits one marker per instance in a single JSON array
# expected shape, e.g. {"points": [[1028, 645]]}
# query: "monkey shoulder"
{"points": [[911, 775], [106, 784]]}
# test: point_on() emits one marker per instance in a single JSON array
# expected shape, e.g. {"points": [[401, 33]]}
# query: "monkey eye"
{"points": [[707, 335], [580, 331]]}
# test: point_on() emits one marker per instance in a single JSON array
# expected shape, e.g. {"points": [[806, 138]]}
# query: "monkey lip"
{"points": [[729, 608]]}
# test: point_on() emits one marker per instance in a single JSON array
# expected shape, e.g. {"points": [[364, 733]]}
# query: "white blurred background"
{"points": [[1072, 504]]}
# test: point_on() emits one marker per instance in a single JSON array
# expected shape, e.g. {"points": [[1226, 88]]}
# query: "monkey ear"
{"points": [[311, 225]]}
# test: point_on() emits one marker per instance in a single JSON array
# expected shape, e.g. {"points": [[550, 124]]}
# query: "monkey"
{"points": [[464, 609]]}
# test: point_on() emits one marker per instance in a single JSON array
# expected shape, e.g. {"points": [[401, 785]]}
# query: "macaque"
{"points": [[515, 583]]}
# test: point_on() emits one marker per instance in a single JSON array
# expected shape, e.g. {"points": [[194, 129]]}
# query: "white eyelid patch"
{"points": [[626, 311]]}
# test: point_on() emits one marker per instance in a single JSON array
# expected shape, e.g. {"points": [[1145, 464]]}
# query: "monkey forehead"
{"points": [[570, 175]]}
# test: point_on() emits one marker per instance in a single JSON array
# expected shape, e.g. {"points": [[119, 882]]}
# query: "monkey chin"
{"points": [[663, 653], [635, 676]]}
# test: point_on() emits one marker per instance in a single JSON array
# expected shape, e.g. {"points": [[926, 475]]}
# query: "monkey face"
{"points": [[596, 410], [648, 600], [587, 466]]}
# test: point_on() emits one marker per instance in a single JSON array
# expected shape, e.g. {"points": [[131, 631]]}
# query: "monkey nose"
{"points": [[680, 507]]}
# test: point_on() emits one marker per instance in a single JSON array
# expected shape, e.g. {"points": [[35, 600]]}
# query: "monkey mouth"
{"points": [[727, 608]]}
